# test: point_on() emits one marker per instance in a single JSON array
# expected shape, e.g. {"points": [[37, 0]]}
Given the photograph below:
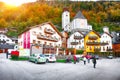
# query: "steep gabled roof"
{"points": [[79, 15], [53, 26], [81, 33], [108, 34], [94, 32]]}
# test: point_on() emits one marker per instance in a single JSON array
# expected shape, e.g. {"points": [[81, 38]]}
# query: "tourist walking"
{"points": [[88, 58], [75, 59], [94, 62], [84, 60]]}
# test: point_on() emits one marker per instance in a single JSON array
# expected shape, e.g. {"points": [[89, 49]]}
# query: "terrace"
{"points": [[49, 31], [78, 37], [74, 43], [93, 43], [44, 37]]}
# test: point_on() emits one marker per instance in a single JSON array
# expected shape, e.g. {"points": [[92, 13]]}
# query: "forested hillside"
{"points": [[99, 14]]}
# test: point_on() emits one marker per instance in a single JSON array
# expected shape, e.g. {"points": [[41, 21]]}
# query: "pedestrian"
{"points": [[68, 59], [94, 62], [75, 59], [88, 58], [7, 54], [84, 60]]}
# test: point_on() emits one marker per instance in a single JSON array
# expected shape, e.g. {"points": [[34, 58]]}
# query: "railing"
{"points": [[49, 31], [92, 37], [104, 43], [74, 43], [54, 39], [78, 37], [93, 43], [47, 46]]}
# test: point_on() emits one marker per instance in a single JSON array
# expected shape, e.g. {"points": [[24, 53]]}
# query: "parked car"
{"points": [[110, 56], [50, 58], [37, 58]]}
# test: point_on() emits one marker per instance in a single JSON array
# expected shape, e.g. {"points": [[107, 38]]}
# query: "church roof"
{"points": [[79, 15]]}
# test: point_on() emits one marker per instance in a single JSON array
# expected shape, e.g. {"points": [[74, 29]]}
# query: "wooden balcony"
{"points": [[74, 43], [49, 31], [92, 37], [78, 37], [93, 43], [43, 37], [104, 43], [47, 46]]}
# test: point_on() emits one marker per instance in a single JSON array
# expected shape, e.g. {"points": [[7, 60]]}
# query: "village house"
{"points": [[46, 34], [116, 43], [6, 42], [106, 40], [92, 42], [76, 40]]}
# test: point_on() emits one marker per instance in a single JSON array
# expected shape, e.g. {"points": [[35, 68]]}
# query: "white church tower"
{"points": [[65, 19], [106, 29]]}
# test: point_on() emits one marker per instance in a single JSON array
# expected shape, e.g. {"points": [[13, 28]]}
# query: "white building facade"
{"points": [[76, 40], [45, 34], [106, 42], [5, 39]]}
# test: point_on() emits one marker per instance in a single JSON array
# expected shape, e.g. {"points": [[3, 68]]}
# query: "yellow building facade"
{"points": [[92, 42]]}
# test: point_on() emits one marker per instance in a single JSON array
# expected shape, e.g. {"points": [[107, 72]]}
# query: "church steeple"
{"points": [[65, 19], [79, 15]]}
